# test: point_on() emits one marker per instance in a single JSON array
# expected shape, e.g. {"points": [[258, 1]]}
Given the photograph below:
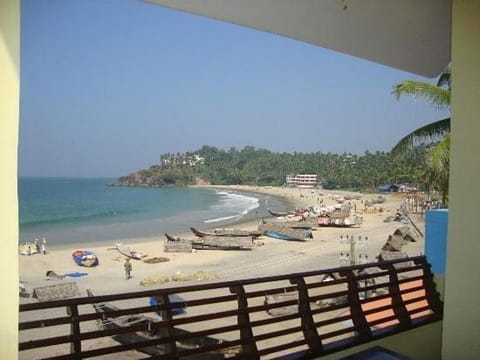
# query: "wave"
{"points": [[236, 205], [74, 218], [222, 219]]}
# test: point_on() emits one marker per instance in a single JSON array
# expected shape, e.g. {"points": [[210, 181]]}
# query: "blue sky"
{"points": [[109, 85]]}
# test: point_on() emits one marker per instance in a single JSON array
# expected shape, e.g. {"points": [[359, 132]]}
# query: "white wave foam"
{"points": [[235, 205]]}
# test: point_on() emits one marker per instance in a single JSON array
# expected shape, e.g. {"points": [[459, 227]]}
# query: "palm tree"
{"points": [[436, 133]]}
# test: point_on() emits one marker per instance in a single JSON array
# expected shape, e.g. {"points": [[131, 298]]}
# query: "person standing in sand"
{"points": [[44, 246], [128, 268]]}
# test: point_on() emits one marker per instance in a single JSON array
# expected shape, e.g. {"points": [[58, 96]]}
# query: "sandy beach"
{"points": [[268, 257]]}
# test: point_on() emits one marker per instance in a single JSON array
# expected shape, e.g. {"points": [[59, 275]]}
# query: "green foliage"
{"points": [[252, 166], [436, 134]]}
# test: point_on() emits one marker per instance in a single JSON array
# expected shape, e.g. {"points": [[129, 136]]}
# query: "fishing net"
{"points": [[154, 280]]}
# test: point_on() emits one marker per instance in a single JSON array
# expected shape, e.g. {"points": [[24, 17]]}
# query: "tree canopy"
{"points": [[251, 166]]}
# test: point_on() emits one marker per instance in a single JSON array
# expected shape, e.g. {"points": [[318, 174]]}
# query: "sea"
{"points": [[85, 211]]}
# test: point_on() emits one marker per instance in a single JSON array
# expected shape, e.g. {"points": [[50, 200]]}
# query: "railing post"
{"points": [[76, 344], [358, 317], [398, 305], [249, 347], [166, 315], [308, 325], [431, 292]]}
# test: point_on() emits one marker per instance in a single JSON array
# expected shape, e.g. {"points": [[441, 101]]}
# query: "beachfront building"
{"points": [[301, 180], [410, 35], [181, 159], [291, 180]]}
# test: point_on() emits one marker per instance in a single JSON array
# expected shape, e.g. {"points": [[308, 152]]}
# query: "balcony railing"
{"points": [[302, 315]]}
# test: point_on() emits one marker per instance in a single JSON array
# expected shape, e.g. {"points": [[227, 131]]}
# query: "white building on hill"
{"points": [[302, 180]]}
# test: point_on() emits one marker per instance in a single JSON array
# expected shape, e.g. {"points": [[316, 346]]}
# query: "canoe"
{"points": [[285, 233], [278, 214], [306, 224], [226, 232], [128, 252], [300, 235], [214, 242], [85, 258]]}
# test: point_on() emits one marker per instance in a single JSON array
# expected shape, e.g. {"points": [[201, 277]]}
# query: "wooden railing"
{"points": [[302, 315]]}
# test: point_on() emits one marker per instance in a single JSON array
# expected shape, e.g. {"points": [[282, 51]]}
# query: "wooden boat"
{"points": [[177, 244], [109, 322], [296, 212], [279, 214], [85, 258], [306, 224], [216, 242], [128, 252], [337, 221], [292, 235], [226, 232], [277, 231]]}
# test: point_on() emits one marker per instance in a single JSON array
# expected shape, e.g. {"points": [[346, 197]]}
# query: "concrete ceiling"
{"points": [[411, 35]]}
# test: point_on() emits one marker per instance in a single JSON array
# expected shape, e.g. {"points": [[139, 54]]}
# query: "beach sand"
{"points": [[268, 257]]}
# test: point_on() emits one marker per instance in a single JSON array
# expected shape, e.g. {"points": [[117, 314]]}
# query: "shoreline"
{"points": [[269, 256], [83, 235]]}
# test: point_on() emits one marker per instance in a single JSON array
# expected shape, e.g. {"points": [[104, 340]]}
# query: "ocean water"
{"points": [[85, 211]]}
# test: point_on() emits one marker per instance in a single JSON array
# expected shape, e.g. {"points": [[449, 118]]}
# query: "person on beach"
{"points": [[128, 269], [44, 246], [37, 245]]}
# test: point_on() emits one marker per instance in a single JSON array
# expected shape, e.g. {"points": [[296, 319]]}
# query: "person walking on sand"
{"points": [[128, 268], [44, 246]]}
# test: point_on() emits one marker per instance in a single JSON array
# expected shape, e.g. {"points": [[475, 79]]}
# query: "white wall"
{"points": [[9, 110]]}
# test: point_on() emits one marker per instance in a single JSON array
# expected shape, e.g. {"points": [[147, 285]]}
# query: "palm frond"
{"points": [[433, 94], [439, 156], [426, 133]]}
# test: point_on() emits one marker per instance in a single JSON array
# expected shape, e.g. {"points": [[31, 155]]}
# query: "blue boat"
{"points": [[85, 258], [290, 234], [284, 231]]}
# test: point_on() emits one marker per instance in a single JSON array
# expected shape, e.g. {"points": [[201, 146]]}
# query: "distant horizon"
{"points": [[109, 86]]}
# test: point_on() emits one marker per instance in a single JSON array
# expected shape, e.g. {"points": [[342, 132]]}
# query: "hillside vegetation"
{"points": [[251, 166]]}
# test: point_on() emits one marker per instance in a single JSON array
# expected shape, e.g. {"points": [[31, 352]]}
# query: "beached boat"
{"points": [[279, 214], [289, 234], [215, 242], [226, 232], [337, 220], [109, 322], [127, 251], [279, 231], [85, 258], [307, 223]]}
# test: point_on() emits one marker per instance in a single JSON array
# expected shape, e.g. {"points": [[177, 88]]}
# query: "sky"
{"points": [[107, 86]]}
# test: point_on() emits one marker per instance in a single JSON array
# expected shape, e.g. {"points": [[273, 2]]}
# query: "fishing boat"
{"points": [[307, 223], [279, 214], [278, 231], [226, 232], [143, 332], [337, 220], [214, 242], [291, 235], [128, 252], [85, 258]]}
